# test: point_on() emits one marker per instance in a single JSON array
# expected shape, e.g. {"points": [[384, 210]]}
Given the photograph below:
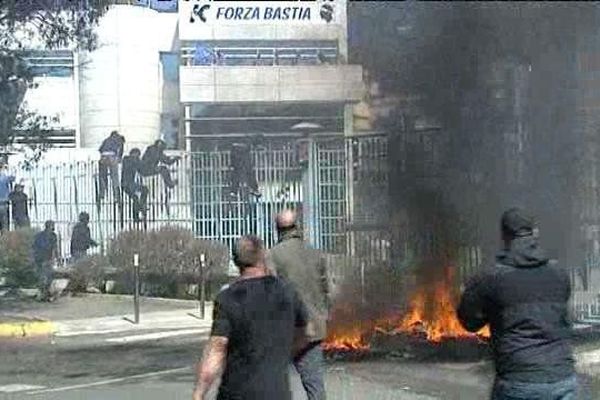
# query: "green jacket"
{"points": [[304, 267]]}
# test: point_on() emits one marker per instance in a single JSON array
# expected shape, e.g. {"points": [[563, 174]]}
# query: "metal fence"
{"points": [[59, 192], [308, 174], [339, 184]]}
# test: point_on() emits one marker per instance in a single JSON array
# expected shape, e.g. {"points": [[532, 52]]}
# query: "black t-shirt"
{"points": [[259, 317]]}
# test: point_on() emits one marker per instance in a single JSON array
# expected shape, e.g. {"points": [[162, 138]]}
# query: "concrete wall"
{"points": [[335, 83], [120, 84]]}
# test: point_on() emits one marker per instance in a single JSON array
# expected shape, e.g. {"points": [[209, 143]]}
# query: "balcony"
{"points": [[243, 74]]}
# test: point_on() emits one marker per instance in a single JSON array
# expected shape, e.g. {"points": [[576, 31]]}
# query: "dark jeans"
{"points": [[310, 365], [139, 195], [3, 217], [46, 276], [511, 390], [21, 221], [109, 164], [161, 170]]}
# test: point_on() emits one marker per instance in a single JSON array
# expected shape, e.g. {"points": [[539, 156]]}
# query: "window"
{"points": [[52, 63]]}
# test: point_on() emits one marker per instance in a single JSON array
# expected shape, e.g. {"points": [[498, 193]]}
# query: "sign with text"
{"points": [[217, 12]]}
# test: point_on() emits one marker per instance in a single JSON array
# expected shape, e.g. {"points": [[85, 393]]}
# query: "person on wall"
{"points": [[242, 169], [156, 162], [111, 151], [131, 182]]}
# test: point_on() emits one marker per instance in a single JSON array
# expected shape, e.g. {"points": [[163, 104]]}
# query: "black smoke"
{"points": [[503, 82]]}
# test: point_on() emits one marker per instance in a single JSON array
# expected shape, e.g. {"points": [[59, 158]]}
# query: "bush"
{"points": [[16, 263], [88, 271], [168, 257]]}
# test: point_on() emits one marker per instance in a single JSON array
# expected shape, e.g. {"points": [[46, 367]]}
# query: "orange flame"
{"points": [[431, 313]]}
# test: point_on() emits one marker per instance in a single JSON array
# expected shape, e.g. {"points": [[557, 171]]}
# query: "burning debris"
{"points": [[430, 318]]}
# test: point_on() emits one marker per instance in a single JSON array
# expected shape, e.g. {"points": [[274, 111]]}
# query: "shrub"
{"points": [[168, 257], [88, 271], [16, 263]]}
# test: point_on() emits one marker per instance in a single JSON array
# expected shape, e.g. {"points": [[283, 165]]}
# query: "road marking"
{"points": [[18, 388], [157, 335], [26, 329], [111, 331], [110, 381]]}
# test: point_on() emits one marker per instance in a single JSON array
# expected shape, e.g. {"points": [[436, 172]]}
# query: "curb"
{"points": [[26, 329]]}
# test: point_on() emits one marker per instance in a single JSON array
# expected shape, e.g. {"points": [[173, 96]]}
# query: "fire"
{"points": [[431, 313], [351, 340]]}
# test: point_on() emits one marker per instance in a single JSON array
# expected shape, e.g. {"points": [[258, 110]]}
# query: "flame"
{"points": [[431, 313], [351, 340]]}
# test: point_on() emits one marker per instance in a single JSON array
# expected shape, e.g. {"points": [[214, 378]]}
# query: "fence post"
{"points": [[202, 287], [136, 292]]}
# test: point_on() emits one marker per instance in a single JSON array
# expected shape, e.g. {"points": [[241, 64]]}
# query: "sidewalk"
{"points": [[96, 314]]}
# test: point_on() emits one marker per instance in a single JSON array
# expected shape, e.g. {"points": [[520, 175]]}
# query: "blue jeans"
{"points": [[511, 390], [310, 365]]}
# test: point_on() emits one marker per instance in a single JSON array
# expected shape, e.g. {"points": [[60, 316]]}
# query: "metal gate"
{"points": [[336, 183], [314, 183]]}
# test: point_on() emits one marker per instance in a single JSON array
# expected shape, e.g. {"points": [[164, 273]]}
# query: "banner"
{"points": [[231, 13]]}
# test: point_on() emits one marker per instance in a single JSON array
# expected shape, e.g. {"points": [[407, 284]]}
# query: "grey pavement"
{"points": [[85, 306], [92, 367]]}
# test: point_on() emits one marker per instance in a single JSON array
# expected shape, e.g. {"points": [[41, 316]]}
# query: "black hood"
{"points": [[523, 252]]}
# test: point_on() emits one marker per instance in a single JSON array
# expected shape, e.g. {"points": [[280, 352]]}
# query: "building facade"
{"points": [[256, 96]]}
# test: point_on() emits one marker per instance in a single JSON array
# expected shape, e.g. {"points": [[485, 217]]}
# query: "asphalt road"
{"points": [[94, 368]]}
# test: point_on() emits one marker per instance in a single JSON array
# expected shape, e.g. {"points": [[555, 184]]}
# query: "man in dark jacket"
{"points": [[81, 238], [524, 299], [130, 182], [19, 207], [242, 169], [155, 161], [111, 151], [45, 252], [295, 262]]}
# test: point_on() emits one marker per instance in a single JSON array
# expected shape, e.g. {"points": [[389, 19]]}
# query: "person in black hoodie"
{"points": [[131, 182], [111, 151], [20, 204], [155, 162], [81, 239], [524, 299]]}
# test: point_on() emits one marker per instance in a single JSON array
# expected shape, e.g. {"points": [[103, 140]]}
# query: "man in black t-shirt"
{"points": [[258, 323]]}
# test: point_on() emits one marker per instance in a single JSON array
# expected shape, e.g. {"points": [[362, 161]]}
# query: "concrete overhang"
{"points": [[303, 83]]}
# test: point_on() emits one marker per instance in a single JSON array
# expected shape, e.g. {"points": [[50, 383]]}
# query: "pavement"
{"points": [[22, 316], [96, 352]]}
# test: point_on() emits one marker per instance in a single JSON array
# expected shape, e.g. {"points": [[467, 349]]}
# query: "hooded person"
{"points": [[111, 152], [81, 238], [19, 206], [156, 162], [524, 299]]}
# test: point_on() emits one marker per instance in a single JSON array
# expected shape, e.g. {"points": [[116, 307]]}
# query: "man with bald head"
{"points": [[257, 323], [297, 263]]}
